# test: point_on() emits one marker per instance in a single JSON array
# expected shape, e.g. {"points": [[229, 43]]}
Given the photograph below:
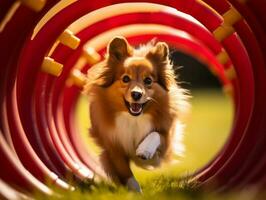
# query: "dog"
{"points": [[135, 108]]}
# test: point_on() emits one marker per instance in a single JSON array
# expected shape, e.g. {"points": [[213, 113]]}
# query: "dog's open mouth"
{"points": [[135, 108]]}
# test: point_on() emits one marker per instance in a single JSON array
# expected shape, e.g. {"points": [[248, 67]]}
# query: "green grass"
{"points": [[206, 131], [157, 189]]}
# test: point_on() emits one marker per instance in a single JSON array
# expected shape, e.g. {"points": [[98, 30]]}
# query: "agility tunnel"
{"points": [[48, 45]]}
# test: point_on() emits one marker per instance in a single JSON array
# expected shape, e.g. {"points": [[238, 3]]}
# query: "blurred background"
{"points": [[207, 127]]}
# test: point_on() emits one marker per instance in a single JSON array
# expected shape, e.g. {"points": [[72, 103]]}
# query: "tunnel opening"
{"points": [[207, 127]]}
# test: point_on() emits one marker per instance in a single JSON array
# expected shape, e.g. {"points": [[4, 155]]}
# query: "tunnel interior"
{"points": [[47, 46]]}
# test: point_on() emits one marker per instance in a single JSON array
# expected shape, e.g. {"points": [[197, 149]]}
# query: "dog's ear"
{"points": [[159, 53], [119, 49], [159, 56]]}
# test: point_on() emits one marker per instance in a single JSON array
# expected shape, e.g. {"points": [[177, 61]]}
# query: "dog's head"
{"points": [[136, 77]]}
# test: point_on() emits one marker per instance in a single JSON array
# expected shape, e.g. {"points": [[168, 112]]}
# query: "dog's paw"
{"points": [[148, 146], [133, 185]]}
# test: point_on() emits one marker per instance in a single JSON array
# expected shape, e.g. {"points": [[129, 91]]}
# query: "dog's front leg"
{"points": [[148, 147], [117, 168]]}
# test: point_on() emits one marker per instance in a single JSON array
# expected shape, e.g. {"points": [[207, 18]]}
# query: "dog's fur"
{"points": [[116, 129]]}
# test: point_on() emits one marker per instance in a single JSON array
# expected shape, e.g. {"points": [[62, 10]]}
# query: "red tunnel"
{"points": [[47, 45]]}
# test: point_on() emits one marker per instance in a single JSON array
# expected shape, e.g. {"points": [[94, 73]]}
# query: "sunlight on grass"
{"points": [[162, 187]]}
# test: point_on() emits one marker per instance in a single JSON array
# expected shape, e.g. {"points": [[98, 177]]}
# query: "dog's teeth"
{"points": [[135, 107]]}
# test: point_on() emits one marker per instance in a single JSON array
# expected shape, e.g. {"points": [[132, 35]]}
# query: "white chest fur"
{"points": [[130, 130]]}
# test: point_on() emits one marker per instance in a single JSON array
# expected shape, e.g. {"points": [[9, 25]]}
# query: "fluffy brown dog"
{"points": [[135, 105]]}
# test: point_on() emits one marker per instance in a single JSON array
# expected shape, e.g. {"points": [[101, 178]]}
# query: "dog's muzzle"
{"points": [[135, 109]]}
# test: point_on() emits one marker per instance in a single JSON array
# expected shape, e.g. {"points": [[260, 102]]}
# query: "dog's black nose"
{"points": [[136, 95]]}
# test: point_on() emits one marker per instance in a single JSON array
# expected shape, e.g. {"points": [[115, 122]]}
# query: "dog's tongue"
{"points": [[136, 107]]}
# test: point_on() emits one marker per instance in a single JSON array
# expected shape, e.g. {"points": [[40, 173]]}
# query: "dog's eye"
{"points": [[126, 79], [147, 81]]}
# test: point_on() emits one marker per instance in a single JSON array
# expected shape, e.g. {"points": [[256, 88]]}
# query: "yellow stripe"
{"points": [[69, 39], [50, 66], [228, 90], [36, 5], [231, 16], [223, 32], [91, 55], [230, 73], [222, 57], [77, 78]]}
